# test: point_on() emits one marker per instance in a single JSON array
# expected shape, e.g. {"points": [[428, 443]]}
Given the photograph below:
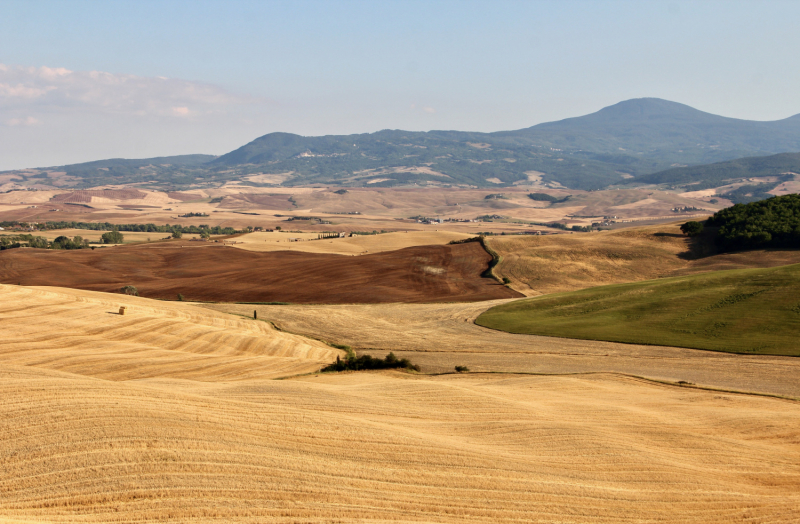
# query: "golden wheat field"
{"points": [[171, 413], [356, 245], [441, 336]]}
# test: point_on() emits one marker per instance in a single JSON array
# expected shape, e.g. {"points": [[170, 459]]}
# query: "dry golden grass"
{"points": [[109, 418], [550, 264], [81, 332], [442, 336], [357, 245]]}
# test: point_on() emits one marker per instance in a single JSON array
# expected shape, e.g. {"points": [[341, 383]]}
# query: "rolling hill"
{"points": [[735, 311], [723, 173]]}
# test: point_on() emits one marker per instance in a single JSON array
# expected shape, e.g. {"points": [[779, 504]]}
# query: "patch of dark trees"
{"points": [[544, 197], [352, 362], [770, 223]]}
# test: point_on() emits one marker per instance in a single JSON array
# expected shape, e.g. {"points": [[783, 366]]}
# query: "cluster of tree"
{"points": [[27, 240], [112, 237], [64, 242], [771, 223], [15, 241], [544, 197], [190, 215], [355, 363]]}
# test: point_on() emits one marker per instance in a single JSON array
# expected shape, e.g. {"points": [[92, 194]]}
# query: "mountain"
{"points": [[631, 138]]}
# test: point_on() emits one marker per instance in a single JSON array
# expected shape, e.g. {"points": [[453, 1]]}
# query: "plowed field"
{"points": [[215, 273]]}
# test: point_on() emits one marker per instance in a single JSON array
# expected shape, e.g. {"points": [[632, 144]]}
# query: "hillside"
{"points": [[632, 138], [743, 311], [168, 414], [784, 166]]}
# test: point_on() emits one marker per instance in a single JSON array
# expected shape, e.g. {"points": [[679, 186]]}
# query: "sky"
{"points": [[88, 80]]}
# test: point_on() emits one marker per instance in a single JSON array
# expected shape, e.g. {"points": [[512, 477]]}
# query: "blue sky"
{"points": [[87, 80]]}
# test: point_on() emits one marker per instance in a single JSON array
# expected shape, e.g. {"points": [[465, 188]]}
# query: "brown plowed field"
{"points": [[205, 272]]}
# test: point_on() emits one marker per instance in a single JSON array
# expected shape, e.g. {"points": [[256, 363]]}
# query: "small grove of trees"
{"points": [[130, 290], [692, 228], [355, 363], [177, 233], [64, 242], [112, 237], [544, 197]]}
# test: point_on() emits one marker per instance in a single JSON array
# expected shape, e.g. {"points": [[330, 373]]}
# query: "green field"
{"points": [[755, 311]]}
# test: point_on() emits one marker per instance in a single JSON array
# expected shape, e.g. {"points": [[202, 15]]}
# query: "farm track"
{"points": [[212, 272]]}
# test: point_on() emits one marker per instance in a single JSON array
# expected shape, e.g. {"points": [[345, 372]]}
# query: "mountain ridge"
{"points": [[632, 138]]}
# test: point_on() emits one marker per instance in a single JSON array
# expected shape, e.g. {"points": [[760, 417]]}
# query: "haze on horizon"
{"points": [[82, 80]]}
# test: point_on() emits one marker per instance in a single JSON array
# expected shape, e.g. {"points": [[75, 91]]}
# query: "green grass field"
{"points": [[755, 311]]}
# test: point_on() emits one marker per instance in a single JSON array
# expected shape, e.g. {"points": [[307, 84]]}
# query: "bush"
{"points": [[177, 233], [462, 369], [180, 297], [506, 280], [355, 363], [130, 290]]}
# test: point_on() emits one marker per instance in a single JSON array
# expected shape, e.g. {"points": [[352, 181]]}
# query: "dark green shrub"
{"points": [[352, 362], [462, 369]]}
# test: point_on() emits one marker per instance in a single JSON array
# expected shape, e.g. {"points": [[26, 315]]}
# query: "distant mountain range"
{"points": [[630, 139]]}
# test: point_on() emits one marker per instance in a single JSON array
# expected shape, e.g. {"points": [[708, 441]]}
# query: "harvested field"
{"points": [[81, 332], [551, 264], [392, 448], [167, 414], [442, 336], [208, 272], [356, 245]]}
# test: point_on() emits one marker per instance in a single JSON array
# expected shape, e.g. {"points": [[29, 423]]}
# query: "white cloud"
{"points": [[27, 121], [429, 109], [35, 90]]}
